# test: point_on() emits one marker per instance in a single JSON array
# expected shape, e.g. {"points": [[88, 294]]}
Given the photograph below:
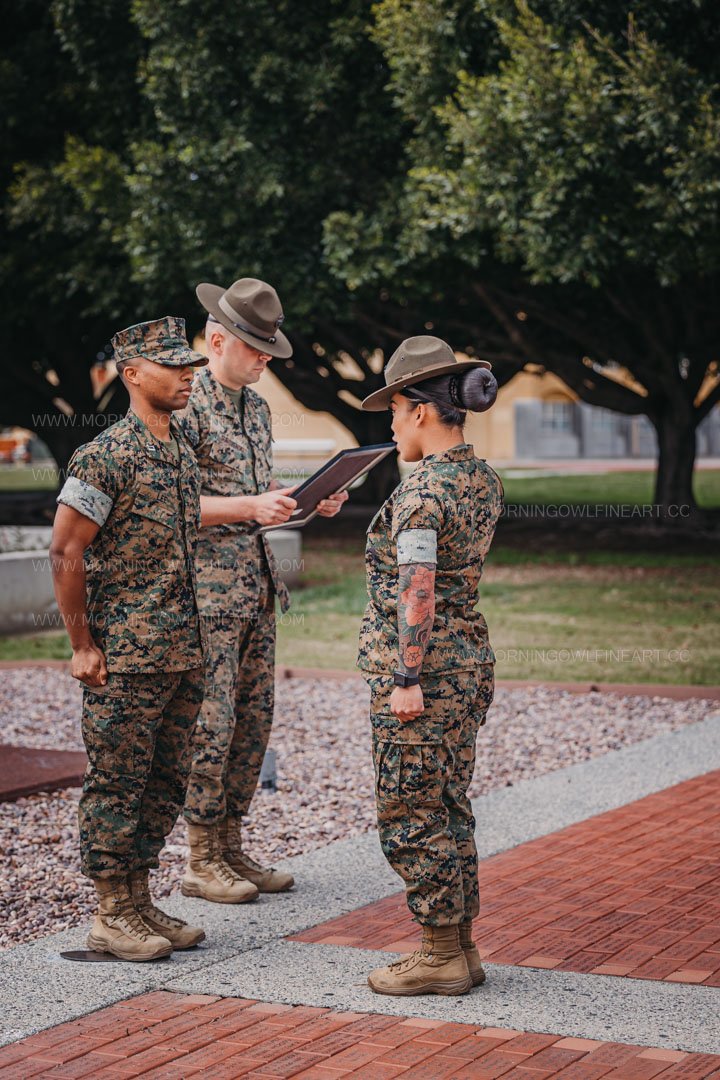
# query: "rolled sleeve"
{"points": [[416, 546], [86, 499], [93, 483]]}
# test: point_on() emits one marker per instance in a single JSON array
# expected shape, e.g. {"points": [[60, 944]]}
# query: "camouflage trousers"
{"points": [[423, 771], [137, 731], [236, 717]]}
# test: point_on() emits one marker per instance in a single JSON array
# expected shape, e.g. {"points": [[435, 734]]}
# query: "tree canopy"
{"points": [[564, 181], [537, 183]]}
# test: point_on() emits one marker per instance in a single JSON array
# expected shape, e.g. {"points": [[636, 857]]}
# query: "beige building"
{"points": [[536, 418], [492, 433]]}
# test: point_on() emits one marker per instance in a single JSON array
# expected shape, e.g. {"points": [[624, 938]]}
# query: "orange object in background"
{"points": [[14, 449]]}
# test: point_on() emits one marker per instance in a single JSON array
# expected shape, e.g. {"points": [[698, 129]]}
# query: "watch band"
{"points": [[400, 678]]}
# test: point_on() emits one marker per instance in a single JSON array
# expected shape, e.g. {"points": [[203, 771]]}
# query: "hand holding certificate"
{"points": [[337, 474]]}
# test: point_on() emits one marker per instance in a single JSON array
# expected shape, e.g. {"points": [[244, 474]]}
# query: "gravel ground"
{"points": [[325, 782]]}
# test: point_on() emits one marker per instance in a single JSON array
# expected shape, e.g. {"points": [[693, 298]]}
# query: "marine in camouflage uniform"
{"points": [[229, 427], [424, 558], [228, 424], [238, 580], [142, 493], [423, 768]]}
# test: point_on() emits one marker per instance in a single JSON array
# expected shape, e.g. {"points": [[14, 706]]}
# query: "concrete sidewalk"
{"points": [[248, 956]]}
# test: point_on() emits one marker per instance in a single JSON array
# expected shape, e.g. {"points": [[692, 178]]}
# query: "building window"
{"points": [[556, 416], [603, 420]]}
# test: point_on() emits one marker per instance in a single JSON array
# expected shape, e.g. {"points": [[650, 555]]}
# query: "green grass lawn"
{"points": [[616, 488], [599, 615], [605, 617], [52, 645], [43, 476]]}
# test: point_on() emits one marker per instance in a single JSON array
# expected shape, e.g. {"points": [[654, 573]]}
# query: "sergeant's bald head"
{"points": [[213, 328]]}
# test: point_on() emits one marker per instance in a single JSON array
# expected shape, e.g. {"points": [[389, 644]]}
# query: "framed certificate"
{"points": [[336, 475]]}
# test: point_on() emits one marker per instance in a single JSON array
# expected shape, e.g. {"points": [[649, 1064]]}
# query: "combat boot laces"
{"points": [[226, 873], [126, 917]]}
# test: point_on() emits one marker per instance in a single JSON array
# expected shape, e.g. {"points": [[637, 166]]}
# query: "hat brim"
{"points": [[209, 295], [381, 399], [172, 358], [187, 358]]}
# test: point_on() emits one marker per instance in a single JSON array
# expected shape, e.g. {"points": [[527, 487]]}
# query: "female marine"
{"points": [[425, 652]]}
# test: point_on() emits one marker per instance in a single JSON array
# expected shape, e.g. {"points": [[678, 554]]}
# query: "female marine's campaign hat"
{"points": [[251, 310], [162, 340], [417, 359]]}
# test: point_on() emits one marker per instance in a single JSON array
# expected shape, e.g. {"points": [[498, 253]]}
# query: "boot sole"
{"points": [[190, 945], [195, 890], [453, 989], [102, 946], [269, 892], [479, 979]]}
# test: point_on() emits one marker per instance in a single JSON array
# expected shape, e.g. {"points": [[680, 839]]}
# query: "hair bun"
{"points": [[478, 389]]}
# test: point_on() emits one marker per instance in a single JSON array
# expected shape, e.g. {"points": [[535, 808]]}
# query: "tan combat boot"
{"points": [[439, 967], [119, 930], [265, 880], [472, 956], [208, 875], [180, 934]]}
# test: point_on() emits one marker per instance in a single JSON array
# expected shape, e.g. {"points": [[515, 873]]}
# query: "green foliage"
{"points": [[536, 182], [262, 120], [562, 200], [563, 149]]}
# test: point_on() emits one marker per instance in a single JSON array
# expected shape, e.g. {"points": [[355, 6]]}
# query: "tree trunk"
{"points": [[676, 434]]}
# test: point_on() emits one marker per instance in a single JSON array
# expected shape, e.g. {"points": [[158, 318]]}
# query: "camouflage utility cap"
{"points": [[163, 341]]}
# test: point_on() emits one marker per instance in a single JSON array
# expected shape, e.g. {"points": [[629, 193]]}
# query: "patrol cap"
{"points": [[163, 341]]}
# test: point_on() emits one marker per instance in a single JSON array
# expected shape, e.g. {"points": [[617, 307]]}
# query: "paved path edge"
{"points": [[38, 989]]}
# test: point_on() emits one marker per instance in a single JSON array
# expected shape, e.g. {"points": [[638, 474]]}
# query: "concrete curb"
{"points": [[581, 1006]]}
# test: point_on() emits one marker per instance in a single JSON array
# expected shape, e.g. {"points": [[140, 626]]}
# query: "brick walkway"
{"points": [[634, 892], [165, 1036]]}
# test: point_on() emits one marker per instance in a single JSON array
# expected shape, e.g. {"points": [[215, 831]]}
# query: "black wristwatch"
{"points": [[401, 679]]}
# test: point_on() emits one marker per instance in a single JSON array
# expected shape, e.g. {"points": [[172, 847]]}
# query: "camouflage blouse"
{"points": [[460, 498], [234, 453], [144, 496]]}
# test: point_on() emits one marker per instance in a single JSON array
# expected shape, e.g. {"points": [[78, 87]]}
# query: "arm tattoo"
{"points": [[416, 612]]}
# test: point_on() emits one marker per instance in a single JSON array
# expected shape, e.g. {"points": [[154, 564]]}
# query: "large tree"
{"points": [[535, 186], [70, 100], [562, 201], [186, 146]]}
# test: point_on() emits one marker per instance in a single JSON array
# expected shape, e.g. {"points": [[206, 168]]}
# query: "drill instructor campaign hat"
{"points": [[417, 359], [163, 341], [251, 310]]}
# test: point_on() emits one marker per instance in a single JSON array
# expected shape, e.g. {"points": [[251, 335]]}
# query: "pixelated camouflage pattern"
{"points": [[138, 733], [459, 497], [87, 500], [163, 341], [235, 458], [236, 717], [142, 602], [423, 771]]}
